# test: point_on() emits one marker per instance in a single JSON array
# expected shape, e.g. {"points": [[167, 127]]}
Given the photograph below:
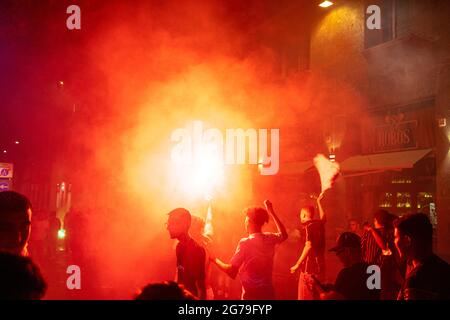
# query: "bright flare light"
{"points": [[326, 4], [204, 174]]}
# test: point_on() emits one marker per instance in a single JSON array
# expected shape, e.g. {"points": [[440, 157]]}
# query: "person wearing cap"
{"points": [[351, 282], [253, 259]]}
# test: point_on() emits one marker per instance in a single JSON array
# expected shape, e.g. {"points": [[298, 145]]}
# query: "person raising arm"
{"points": [[306, 215], [280, 227], [253, 259]]}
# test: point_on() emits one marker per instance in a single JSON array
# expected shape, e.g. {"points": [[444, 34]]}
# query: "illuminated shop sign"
{"points": [[401, 135]]}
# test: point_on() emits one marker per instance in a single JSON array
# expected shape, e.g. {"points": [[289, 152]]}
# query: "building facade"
{"points": [[402, 74]]}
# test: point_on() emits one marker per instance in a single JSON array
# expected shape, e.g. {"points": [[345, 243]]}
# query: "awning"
{"points": [[365, 164], [295, 168]]}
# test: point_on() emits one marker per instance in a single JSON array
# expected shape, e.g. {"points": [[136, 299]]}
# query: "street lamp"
{"points": [[326, 4]]}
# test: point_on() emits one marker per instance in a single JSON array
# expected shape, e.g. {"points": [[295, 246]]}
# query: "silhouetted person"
{"points": [[379, 249], [253, 259], [351, 282], [197, 232], [312, 258], [354, 226], [20, 278], [191, 256], [167, 290], [428, 276], [375, 239], [15, 222], [37, 245], [76, 226], [52, 235]]}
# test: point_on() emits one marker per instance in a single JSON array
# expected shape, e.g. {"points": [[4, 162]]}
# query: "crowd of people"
{"points": [[400, 248]]}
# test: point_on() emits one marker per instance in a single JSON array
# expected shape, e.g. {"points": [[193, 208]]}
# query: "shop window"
{"points": [[386, 200], [394, 22], [403, 200], [401, 181], [424, 199]]}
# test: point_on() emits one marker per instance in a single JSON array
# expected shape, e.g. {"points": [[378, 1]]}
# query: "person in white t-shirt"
{"points": [[253, 259]]}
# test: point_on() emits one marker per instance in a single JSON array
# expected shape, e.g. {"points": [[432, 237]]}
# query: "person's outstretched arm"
{"points": [[378, 238], [280, 226], [232, 268], [228, 268]]}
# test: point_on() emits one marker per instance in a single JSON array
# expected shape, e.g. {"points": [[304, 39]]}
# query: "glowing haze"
{"points": [[163, 65]]}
